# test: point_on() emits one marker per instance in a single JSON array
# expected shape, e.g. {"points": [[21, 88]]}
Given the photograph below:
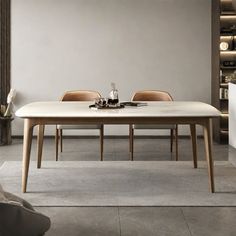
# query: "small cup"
{"points": [[101, 102]]}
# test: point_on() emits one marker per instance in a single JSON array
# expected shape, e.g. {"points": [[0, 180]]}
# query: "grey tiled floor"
{"points": [[141, 221], [130, 221]]}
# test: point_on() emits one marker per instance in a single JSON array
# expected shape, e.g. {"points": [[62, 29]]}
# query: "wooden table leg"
{"points": [[208, 147], [28, 132], [40, 144], [194, 144]]}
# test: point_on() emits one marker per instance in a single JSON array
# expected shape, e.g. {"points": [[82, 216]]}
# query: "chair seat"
{"points": [[154, 126], [79, 126]]}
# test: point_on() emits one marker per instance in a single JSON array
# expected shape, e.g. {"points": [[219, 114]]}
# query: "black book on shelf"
{"points": [[229, 63], [226, 31]]}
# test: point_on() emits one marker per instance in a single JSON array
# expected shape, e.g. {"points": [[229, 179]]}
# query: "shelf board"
{"points": [[223, 99], [228, 16], [224, 85], [226, 34], [224, 114], [228, 52], [222, 36], [224, 131], [228, 67], [228, 13]]}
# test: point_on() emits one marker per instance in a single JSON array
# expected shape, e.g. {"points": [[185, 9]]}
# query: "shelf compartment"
{"points": [[226, 7], [230, 40], [224, 122], [224, 131], [224, 136], [224, 106]]}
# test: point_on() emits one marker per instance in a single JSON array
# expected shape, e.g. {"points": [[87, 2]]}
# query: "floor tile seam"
{"points": [[129, 206], [186, 222]]}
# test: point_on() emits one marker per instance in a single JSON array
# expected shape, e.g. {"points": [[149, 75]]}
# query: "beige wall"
{"points": [[60, 45]]}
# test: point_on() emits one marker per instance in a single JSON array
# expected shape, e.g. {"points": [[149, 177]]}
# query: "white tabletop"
{"points": [[153, 109]]}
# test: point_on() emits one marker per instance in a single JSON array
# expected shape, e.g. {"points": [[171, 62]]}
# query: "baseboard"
{"points": [[110, 136]]}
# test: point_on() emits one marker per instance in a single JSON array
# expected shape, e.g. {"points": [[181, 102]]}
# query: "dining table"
{"points": [[190, 113]]}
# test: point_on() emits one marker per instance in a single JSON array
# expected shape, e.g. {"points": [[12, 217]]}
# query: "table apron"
{"points": [[118, 120]]}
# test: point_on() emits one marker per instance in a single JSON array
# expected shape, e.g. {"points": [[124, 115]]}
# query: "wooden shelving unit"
{"points": [[223, 62]]}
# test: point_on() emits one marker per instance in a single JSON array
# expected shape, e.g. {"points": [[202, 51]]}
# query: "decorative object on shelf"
{"points": [[223, 93], [228, 77], [227, 42], [224, 46], [229, 63], [10, 98], [226, 31]]}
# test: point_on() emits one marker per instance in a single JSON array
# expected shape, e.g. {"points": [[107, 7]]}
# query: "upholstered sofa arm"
{"points": [[18, 217]]}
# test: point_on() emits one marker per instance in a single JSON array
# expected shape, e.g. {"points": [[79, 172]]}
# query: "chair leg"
{"points": [[101, 141], [40, 144], [130, 130], [56, 142], [194, 143], [131, 142], [60, 137], [171, 139], [176, 144]]}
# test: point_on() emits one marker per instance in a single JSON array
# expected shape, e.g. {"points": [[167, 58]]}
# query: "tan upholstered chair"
{"points": [[79, 95], [154, 95]]}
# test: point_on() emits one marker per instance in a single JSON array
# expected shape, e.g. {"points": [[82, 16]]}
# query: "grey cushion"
{"points": [[2, 196], [18, 217], [79, 126], [154, 126]]}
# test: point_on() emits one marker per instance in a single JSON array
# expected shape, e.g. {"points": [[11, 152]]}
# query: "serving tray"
{"points": [[94, 106]]}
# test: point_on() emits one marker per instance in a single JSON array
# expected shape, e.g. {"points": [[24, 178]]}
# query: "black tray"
{"points": [[93, 106]]}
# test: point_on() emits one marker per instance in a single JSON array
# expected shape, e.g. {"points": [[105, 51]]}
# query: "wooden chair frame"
{"points": [[153, 95], [78, 95]]}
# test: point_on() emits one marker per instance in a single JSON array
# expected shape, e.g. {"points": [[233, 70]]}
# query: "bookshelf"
{"points": [[223, 62]]}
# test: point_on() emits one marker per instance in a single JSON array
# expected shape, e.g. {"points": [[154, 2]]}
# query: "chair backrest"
{"points": [[151, 95], [80, 95]]}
